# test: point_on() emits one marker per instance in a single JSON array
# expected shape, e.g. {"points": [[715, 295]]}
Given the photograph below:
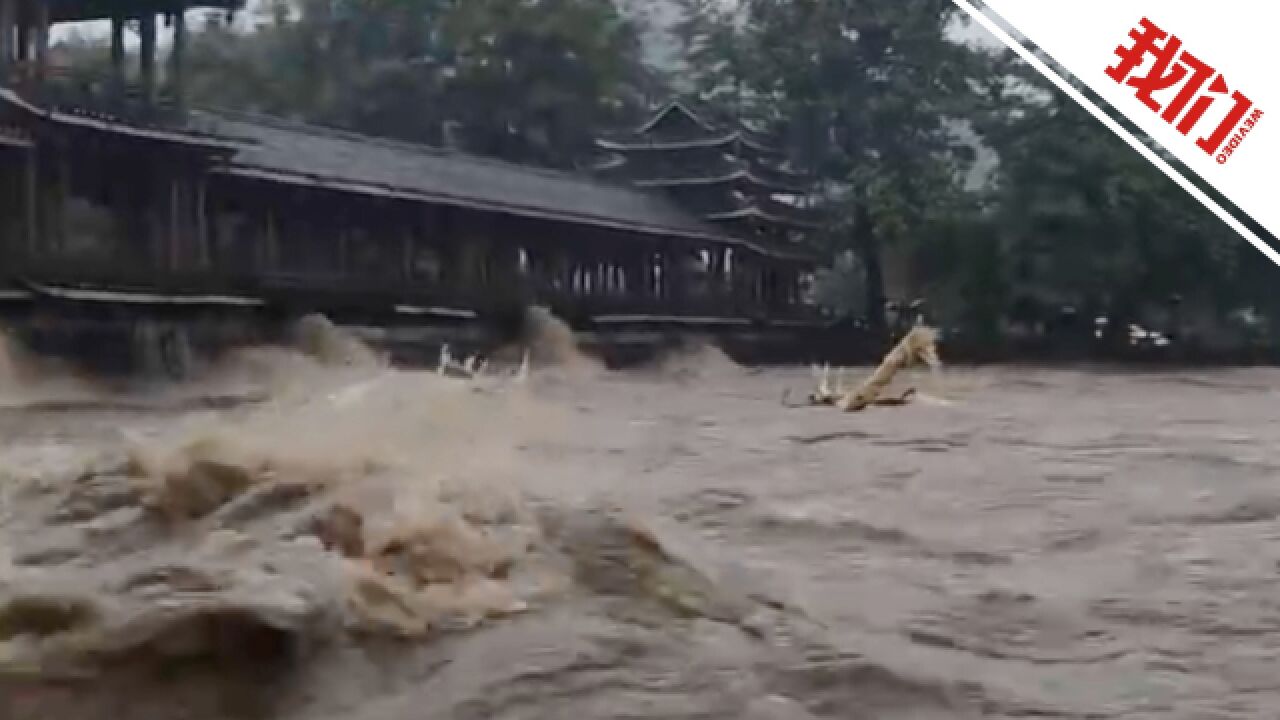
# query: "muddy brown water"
{"points": [[1048, 544]]}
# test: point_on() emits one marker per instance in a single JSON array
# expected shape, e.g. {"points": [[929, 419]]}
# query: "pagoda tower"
{"points": [[721, 171]]}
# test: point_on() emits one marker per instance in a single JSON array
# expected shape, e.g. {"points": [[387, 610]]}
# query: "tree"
{"points": [[529, 82], [536, 81], [1086, 220], [868, 90], [713, 49]]}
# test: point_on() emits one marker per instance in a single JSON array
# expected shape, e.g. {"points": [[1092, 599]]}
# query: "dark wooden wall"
{"points": [[147, 214]]}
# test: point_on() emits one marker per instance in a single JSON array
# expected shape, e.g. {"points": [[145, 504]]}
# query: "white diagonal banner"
{"points": [[1195, 78]]}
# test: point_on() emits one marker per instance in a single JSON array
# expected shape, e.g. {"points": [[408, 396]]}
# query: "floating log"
{"points": [[919, 345]]}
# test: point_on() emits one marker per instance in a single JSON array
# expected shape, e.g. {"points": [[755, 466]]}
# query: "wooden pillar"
{"points": [[506, 265], [676, 267], [147, 55], [408, 250], [32, 196], [202, 220], [649, 268], [560, 272], [741, 278], [177, 55], [58, 222], [345, 230], [41, 22], [536, 271], [271, 248], [644, 276], [117, 51], [662, 274], [175, 225], [464, 270], [630, 277], [7, 16], [23, 53]]}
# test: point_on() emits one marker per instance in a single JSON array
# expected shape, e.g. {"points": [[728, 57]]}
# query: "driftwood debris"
{"points": [[918, 346], [475, 367]]}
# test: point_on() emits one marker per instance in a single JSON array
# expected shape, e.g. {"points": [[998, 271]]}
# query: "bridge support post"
{"points": [[6, 39], [41, 21], [147, 56], [177, 56], [117, 52]]}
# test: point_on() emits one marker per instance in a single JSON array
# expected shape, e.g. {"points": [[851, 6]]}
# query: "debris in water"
{"points": [[341, 530], [318, 337], [919, 345], [551, 342], [522, 373], [696, 359]]}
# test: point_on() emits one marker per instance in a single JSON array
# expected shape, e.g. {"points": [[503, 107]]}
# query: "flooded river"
{"points": [[664, 543]]}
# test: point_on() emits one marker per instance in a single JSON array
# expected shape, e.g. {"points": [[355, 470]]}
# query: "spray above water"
{"points": [[317, 337], [695, 359], [390, 505], [27, 380], [551, 343], [9, 363]]}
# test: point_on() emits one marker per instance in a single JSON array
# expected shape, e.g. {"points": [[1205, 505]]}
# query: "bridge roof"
{"points": [[287, 152], [304, 154]]}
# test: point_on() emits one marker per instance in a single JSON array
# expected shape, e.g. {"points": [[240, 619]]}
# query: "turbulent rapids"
{"points": [[311, 533]]}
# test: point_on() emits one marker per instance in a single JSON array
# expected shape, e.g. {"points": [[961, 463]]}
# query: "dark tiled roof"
{"points": [[282, 151], [308, 154]]}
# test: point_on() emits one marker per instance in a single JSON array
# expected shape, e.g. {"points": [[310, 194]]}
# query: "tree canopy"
{"points": [[529, 82], [878, 98]]}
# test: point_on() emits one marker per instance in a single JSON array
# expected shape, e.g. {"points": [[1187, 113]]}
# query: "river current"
{"points": [[287, 540]]}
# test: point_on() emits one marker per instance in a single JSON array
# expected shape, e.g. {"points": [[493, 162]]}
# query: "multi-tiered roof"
{"points": [[723, 171]]}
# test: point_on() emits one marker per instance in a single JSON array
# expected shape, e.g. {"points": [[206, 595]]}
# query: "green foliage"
{"points": [[872, 90], [867, 89], [1089, 221], [522, 81], [715, 54], [870, 94], [535, 81]]}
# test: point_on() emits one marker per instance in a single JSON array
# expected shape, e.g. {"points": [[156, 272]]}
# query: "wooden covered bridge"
{"points": [[119, 195]]}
